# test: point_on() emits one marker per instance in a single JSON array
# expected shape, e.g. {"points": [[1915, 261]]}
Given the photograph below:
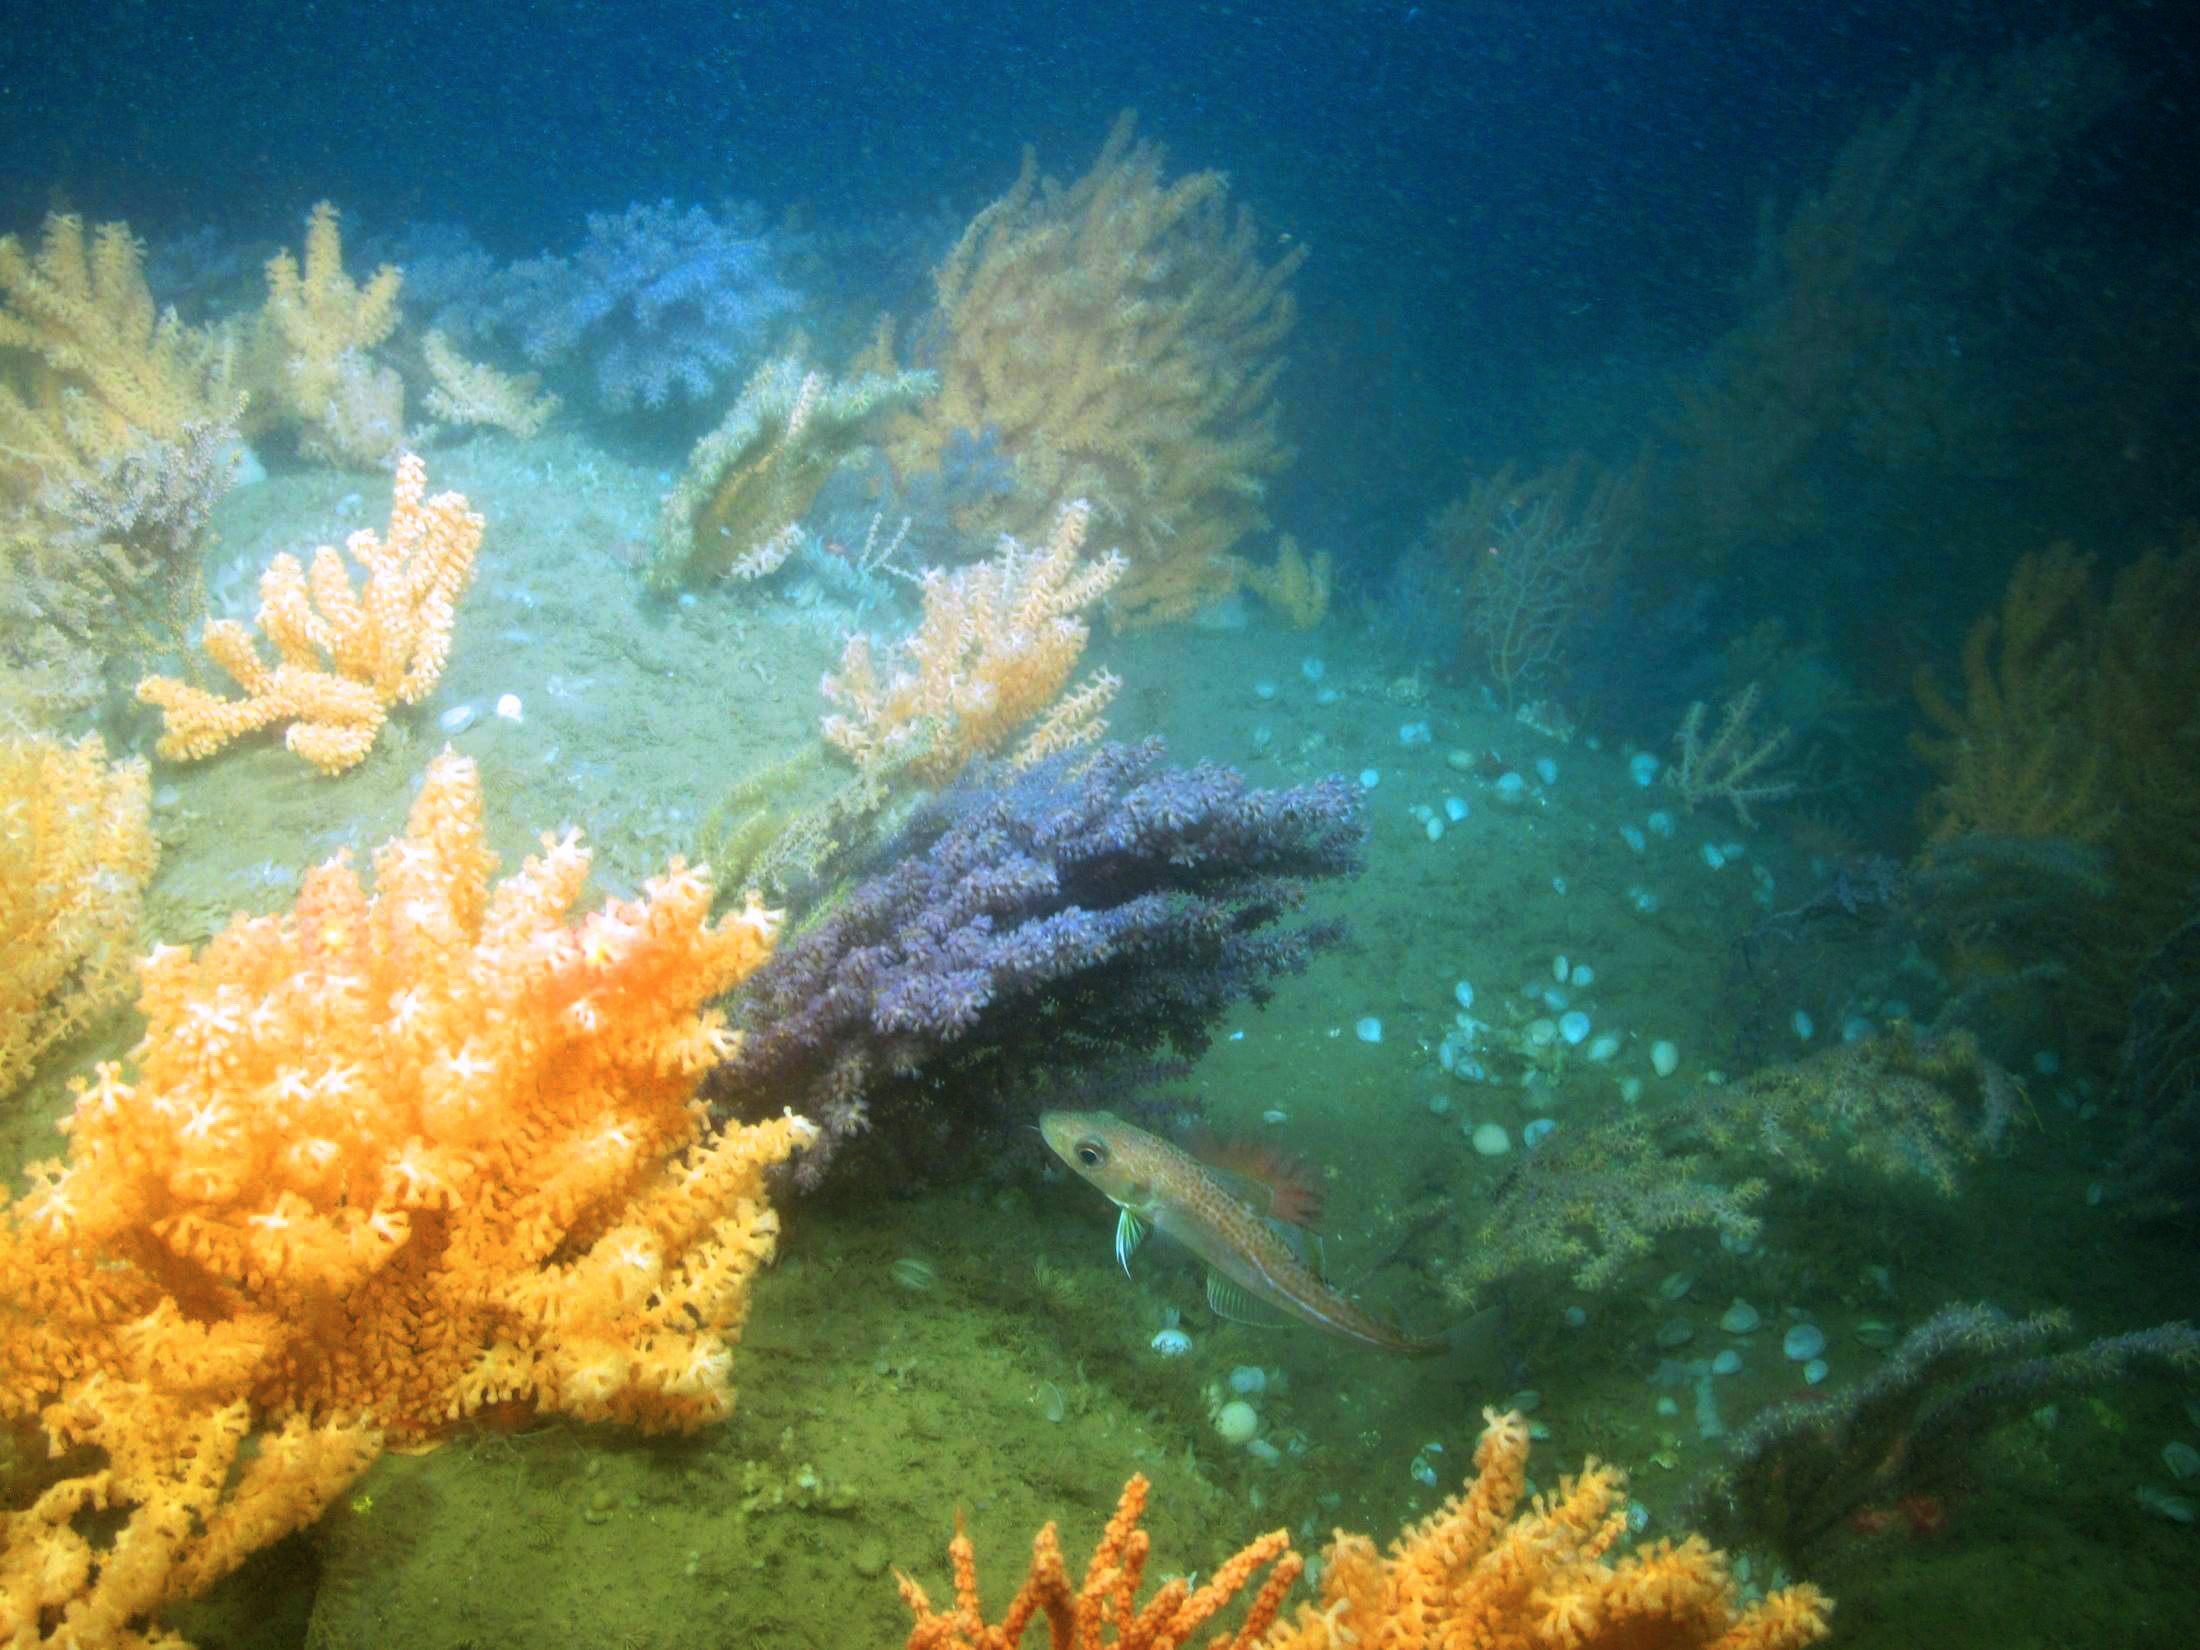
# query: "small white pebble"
{"points": [[508, 707]]}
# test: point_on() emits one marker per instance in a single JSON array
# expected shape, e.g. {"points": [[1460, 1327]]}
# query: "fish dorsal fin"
{"points": [[1275, 1185], [1130, 1232], [1226, 1300]]}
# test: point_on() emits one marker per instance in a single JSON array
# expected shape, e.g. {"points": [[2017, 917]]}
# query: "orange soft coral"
{"points": [[381, 1162], [1480, 1572], [343, 655]]}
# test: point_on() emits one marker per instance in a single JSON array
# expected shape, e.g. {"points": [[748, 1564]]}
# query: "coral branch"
{"points": [[345, 655], [1108, 1600], [996, 643], [1732, 764]]}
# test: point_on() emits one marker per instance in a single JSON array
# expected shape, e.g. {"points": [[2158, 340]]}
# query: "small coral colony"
{"points": [[441, 1143]]}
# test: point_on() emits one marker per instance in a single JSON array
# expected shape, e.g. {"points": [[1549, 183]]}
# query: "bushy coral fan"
{"points": [[1087, 911], [380, 1163], [94, 367], [1899, 1103], [659, 305], [1732, 764], [1118, 337], [2075, 745], [2157, 1172], [120, 570], [1297, 585], [1812, 1473], [1527, 555], [1920, 216], [115, 418], [76, 850], [1594, 1201]]}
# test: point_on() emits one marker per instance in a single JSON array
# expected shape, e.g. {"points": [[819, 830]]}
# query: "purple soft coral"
{"points": [[1042, 924], [663, 305]]}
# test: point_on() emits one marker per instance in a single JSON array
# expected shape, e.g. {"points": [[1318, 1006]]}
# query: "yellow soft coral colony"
{"points": [[76, 851], [736, 511], [97, 368], [2019, 756], [344, 655], [470, 392], [1297, 586], [1479, 1573], [997, 641], [312, 356], [1119, 338], [383, 1162]]}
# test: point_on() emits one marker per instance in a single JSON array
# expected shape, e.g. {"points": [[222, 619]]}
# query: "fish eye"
{"points": [[1090, 1154]]}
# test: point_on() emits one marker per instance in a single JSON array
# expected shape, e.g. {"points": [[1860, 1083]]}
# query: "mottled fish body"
{"points": [[1161, 1187]]}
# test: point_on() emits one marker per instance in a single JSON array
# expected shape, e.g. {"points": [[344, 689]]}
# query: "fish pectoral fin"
{"points": [[1306, 1247], [1130, 1232], [1239, 1305]]}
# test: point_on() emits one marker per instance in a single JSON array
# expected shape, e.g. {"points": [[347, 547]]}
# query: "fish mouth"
{"points": [[1079, 1138]]}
